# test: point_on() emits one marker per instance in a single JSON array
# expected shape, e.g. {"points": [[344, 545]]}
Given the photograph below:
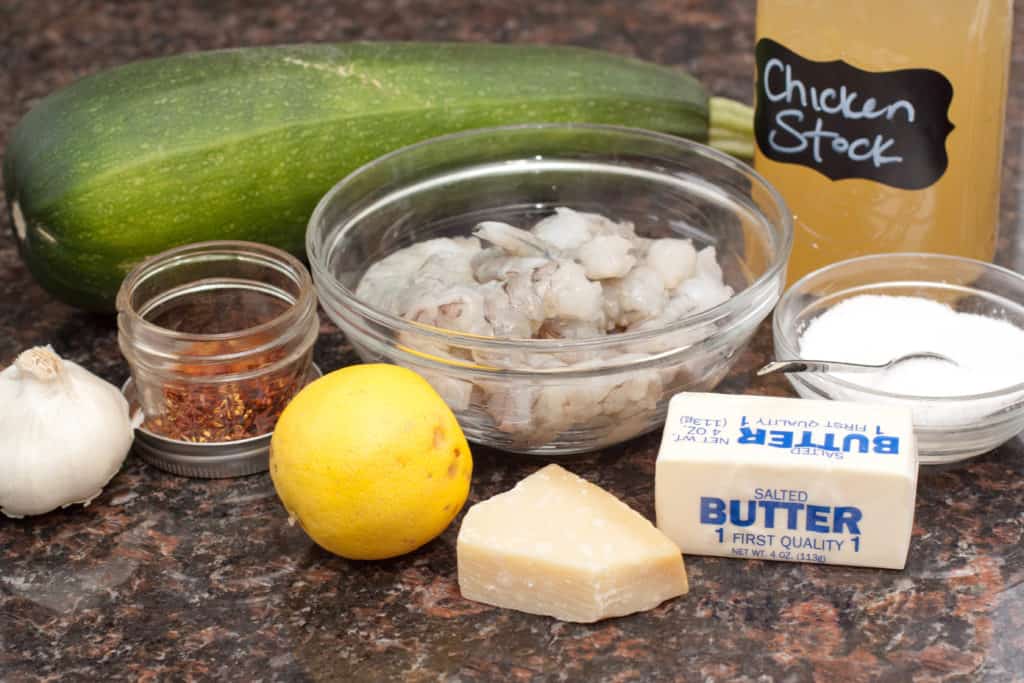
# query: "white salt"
{"points": [[989, 353]]}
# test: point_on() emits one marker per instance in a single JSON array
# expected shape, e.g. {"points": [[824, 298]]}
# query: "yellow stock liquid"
{"points": [[966, 41]]}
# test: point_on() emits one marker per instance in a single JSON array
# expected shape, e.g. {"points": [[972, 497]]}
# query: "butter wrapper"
{"points": [[787, 479]]}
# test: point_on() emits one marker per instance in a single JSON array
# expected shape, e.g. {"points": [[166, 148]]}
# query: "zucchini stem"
{"points": [[731, 128]]}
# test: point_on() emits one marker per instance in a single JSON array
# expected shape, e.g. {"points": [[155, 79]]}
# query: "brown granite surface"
{"points": [[164, 578]]}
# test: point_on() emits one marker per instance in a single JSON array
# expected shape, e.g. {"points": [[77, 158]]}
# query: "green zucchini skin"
{"points": [[241, 144]]}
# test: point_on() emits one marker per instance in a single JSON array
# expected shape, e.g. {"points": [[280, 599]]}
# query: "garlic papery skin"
{"points": [[64, 433]]}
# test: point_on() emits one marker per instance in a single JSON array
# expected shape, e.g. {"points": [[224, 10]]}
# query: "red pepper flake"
{"points": [[213, 412]]}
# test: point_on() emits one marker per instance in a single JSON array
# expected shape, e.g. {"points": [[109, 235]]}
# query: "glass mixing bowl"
{"points": [[554, 396], [948, 429]]}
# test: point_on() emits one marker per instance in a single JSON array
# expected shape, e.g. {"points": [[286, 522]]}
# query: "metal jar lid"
{"points": [[205, 460]]}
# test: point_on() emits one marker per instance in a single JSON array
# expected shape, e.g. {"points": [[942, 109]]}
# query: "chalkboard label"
{"points": [[844, 122]]}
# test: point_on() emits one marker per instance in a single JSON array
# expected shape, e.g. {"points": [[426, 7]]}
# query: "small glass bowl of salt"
{"points": [[873, 309]]}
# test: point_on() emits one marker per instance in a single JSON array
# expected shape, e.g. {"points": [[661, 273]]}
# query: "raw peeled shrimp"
{"points": [[457, 307], [606, 256], [702, 290], [568, 294], [632, 393], [637, 297], [494, 264], [512, 303], [507, 316], [574, 275], [674, 259], [565, 229], [569, 230], [511, 408], [706, 288], [569, 329], [393, 273], [440, 271], [456, 393], [551, 409], [513, 240], [443, 293], [699, 292]]}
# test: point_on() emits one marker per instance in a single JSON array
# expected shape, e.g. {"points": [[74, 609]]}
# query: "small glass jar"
{"points": [[219, 338]]}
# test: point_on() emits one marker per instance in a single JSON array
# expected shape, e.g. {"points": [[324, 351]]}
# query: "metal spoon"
{"points": [[803, 365]]}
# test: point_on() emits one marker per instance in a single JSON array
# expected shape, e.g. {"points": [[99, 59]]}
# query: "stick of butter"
{"points": [[787, 479]]}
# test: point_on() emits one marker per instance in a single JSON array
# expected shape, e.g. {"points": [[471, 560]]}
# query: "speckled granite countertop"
{"points": [[170, 578]]}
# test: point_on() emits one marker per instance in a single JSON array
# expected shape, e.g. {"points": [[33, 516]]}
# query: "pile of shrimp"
{"points": [[573, 275]]}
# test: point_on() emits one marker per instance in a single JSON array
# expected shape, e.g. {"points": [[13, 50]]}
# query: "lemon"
{"points": [[370, 461]]}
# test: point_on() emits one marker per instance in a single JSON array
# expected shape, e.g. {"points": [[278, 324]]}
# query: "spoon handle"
{"points": [[803, 365]]}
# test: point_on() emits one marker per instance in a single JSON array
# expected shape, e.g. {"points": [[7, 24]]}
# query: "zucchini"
{"points": [[241, 144]]}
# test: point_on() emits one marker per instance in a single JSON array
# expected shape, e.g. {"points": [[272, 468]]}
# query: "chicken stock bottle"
{"points": [[881, 123]]}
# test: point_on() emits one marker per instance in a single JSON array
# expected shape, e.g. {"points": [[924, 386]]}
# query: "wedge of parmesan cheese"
{"points": [[560, 546]]}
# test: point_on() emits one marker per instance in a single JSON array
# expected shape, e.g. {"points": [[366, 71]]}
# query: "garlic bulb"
{"points": [[64, 433]]}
